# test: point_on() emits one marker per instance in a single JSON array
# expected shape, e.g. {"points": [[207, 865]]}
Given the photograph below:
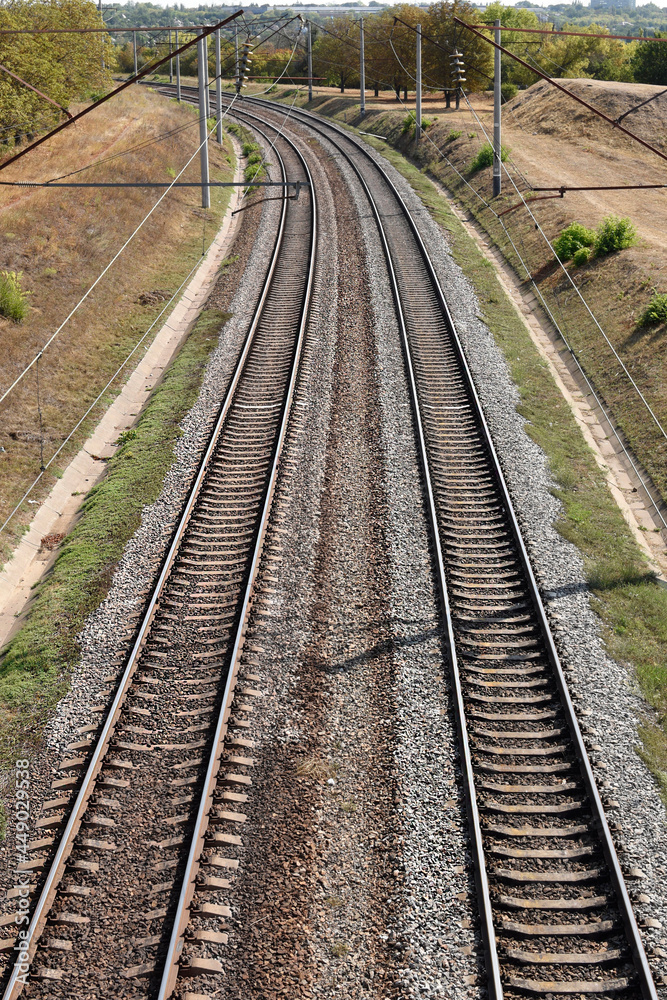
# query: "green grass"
{"points": [[655, 312], [631, 605], [13, 299], [35, 667]]}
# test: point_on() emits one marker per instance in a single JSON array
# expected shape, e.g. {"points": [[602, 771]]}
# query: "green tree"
{"points": [[649, 63], [477, 54], [64, 67], [336, 55]]}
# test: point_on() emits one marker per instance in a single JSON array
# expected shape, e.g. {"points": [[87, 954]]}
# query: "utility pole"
{"points": [[206, 84], [171, 61], [99, 7], [218, 88], [134, 44], [203, 124], [362, 70], [236, 64], [310, 63], [497, 169], [178, 72], [418, 75]]}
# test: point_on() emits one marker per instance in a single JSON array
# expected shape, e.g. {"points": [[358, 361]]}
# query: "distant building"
{"points": [[615, 4]]}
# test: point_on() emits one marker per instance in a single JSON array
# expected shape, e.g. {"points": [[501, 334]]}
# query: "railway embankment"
{"points": [[60, 241]]}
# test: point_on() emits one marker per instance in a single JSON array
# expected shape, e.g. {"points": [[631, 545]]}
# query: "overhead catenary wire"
{"points": [[97, 280]]}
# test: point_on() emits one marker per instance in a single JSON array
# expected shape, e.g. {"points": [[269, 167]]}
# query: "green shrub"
{"points": [[581, 256], [13, 300], [572, 239], [508, 91], [614, 234], [408, 124], [485, 157], [454, 134], [248, 148], [656, 311]]}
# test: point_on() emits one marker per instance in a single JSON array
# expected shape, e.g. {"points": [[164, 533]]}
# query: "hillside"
{"points": [[61, 240]]}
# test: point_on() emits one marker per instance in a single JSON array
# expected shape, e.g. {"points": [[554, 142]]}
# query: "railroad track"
{"points": [[556, 917], [151, 802]]}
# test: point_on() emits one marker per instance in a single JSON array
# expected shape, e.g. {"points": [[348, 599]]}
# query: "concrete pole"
{"points": [[418, 83], [362, 70], [497, 169], [203, 125], [218, 88], [206, 84], [310, 63], [236, 64], [171, 62], [178, 72], [134, 43]]}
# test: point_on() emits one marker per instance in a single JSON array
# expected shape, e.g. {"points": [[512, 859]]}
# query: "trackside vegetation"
{"points": [[13, 299], [36, 664]]}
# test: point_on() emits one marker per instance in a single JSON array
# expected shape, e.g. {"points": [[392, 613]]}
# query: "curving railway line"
{"points": [[168, 772], [555, 912], [142, 859]]}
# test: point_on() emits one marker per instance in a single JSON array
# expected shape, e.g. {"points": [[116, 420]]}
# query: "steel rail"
{"points": [[47, 895], [188, 881], [623, 900]]}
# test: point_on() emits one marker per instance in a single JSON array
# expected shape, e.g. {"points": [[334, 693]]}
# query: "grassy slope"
{"points": [[36, 665], [631, 606], [62, 240]]}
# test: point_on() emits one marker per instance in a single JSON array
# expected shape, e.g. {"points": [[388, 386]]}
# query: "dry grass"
{"points": [[62, 239], [315, 767]]}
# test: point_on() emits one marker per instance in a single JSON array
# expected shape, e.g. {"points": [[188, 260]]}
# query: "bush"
{"points": [[574, 238], [508, 91], [614, 234], [656, 311], [581, 256], [454, 134], [485, 157], [13, 300]]}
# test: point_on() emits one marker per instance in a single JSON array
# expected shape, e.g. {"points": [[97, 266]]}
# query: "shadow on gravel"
{"points": [[383, 648]]}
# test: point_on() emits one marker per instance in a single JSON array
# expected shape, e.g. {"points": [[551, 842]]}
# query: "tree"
{"points": [[649, 63], [65, 67], [477, 54], [336, 55]]}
